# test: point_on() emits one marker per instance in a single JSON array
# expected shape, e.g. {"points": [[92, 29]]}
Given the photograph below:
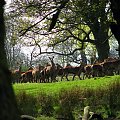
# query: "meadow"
{"points": [[68, 98], [54, 88]]}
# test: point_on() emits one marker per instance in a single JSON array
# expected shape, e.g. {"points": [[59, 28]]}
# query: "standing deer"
{"points": [[36, 73], [50, 71], [76, 71], [88, 71], [59, 70], [16, 74], [27, 76]]}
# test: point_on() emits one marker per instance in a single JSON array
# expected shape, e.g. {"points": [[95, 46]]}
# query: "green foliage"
{"points": [[74, 96], [26, 103], [114, 97], [68, 100], [101, 94], [45, 102]]}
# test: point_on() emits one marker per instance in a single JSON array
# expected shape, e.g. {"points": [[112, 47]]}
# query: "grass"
{"points": [[58, 98], [54, 88]]}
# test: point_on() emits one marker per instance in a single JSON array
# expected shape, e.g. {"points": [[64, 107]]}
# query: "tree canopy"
{"points": [[52, 23]]}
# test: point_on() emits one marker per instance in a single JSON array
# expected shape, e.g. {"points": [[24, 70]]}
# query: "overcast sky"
{"points": [[8, 1]]}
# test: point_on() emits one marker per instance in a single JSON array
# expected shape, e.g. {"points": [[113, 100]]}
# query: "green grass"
{"points": [[54, 88], [54, 99]]}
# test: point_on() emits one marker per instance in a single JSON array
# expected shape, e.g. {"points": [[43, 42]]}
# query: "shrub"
{"points": [[46, 104], [68, 101], [114, 97], [26, 104]]}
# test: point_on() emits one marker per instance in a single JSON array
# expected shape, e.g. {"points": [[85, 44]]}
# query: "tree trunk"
{"points": [[100, 32], [8, 105], [97, 21], [115, 27], [102, 46], [83, 57]]}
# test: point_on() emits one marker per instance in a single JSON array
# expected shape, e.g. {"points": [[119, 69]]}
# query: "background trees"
{"points": [[42, 12], [75, 24]]}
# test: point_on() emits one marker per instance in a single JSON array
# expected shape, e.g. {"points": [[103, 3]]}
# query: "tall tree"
{"points": [[97, 21], [115, 26], [69, 17], [8, 106], [94, 14]]}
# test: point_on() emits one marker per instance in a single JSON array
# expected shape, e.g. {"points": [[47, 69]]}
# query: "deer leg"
{"points": [[63, 74], [62, 77], [79, 77], [83, 76], [73, 77], [51, 79], [67, 77]]}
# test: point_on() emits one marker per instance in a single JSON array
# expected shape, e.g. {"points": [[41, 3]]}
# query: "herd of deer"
{"points": [[49, 73]]}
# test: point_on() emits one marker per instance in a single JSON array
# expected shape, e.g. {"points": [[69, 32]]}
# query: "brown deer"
{"points": [[59, 70], [108, 68], [88, 71], [27, 76], [111, 67], [97, 70], [50, 71], [65, 71], [16, 74], [36, 73], [76, 71]]}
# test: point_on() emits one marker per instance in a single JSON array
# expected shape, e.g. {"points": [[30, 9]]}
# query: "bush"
{"points": [[46, 104], [26, 104], [70, 102], [114, 97]]}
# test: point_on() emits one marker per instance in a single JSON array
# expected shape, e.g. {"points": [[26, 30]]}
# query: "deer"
{"points": [[97, 70], [73, 70], [50, 71], [36, 73], [27, 76], [59, 70], [88, 71], [16, 75]]}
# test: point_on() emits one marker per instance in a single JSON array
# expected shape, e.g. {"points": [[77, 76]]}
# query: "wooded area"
{"points": [[81, 22], [80, 31]]}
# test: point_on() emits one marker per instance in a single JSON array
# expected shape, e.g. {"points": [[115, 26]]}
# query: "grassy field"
{"points": [[59, 98], [54, 88]]}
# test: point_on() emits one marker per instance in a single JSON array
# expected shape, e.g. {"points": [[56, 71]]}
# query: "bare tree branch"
{"points": [[55, 16], [24, 31], [53, 52]]}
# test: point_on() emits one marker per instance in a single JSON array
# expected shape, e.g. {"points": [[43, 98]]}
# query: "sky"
{"points": [[25, 50], [8, 1], [7, 4]]}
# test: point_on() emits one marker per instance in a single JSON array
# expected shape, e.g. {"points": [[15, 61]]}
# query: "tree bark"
{"points": [[8, 105], [83, 57], [97, 21], [102, 46], [115, 27], [100, 32]]}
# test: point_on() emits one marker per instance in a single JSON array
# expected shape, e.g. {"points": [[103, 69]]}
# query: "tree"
{"points": [[115, 26], [8, 106], [74, 18], [93, 13]]}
